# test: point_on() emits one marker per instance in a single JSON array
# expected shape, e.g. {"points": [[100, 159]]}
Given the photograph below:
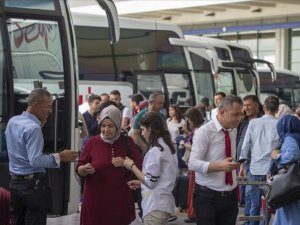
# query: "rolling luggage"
{"points": [[181, 192]]}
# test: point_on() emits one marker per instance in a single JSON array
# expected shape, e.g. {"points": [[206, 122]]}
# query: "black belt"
{"points": [[219, 193], [28, 176]]}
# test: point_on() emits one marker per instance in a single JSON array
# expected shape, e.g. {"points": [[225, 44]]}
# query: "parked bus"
{"points": [[38, 50], [215, 70], [286, 85], [219, 65], [143, 57]]}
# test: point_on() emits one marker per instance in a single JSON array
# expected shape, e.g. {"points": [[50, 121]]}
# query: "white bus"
{"points": [[143, 57], [286, 85], [37, 49], [222, 66]]}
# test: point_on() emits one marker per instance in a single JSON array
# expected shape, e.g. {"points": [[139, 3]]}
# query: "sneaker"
{"points": [[172, 218]]}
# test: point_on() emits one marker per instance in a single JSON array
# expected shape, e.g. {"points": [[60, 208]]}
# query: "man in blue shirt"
{"points": [[27, 163], [260, 140]]}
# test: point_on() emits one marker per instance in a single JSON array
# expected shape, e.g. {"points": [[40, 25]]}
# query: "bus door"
{"points": [[37, 61], [180, 89], [225, 82], [296, 97], [246, 79], [146, 83], [4, 116], [247, 83]]}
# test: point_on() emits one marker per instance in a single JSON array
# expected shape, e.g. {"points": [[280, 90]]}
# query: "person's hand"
{"points": [[188, 146], [128, 163], [228, 164], [118, 162], [243, 172], [134, 184], [88, 168], [68, 155], [275, 154]]}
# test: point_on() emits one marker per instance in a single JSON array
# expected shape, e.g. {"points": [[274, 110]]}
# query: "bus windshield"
{"points": [[36, 55]]}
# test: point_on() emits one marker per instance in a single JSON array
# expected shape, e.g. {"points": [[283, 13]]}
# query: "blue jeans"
{"points": [[253, 199]]}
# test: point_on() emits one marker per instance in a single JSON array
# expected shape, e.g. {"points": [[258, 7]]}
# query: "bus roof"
{"points": [[92, 20]]}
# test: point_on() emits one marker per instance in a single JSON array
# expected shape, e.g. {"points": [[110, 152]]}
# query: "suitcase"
{"points": [[4, 207], [180, 192]]}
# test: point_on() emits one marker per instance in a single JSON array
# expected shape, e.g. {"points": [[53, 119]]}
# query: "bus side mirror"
{"points": [[213, 56], [112, 16]]}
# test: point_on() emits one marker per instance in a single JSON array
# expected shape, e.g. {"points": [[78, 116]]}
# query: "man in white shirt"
{"points": [[217, 100], [115, 96], [215, 197], [261, 139]]}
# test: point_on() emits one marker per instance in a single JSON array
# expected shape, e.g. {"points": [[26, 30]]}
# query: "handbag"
{"points": [[285, 186], [137, 194]]}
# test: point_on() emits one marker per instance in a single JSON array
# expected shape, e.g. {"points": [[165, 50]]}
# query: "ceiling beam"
{"points": [[189, 10], [170, 12], [260, 3], [296, 2], [236, 6], [215, 9], [144, 15]]}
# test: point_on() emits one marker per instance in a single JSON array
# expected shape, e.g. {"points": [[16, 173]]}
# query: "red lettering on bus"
{"points": [[31, 33]]}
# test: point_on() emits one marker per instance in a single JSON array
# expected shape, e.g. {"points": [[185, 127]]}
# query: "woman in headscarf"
{"points": [[157, 178], [107, 199], [288, 128]]}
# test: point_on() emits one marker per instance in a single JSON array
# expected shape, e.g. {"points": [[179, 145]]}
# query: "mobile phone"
{"points": [[241, 160]]}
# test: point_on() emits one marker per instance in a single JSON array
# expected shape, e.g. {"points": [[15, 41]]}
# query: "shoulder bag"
{"points": [[285, 186]]}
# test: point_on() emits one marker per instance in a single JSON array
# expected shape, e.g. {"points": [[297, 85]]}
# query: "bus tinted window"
{"points": [[31, 4], [199, 63], [286, 80], [223, 54], [94, 53], [266, 84], [239, 54], [169, 56], [137, 50], [296, 93]]}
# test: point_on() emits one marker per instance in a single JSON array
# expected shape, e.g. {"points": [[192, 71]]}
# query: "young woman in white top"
{"points": [[175, 122], [157, 178]]}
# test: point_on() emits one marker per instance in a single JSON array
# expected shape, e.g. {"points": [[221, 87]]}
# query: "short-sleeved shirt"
{"points": [[136, 124]]}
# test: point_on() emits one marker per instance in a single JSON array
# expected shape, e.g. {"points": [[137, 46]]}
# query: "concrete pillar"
{"points": [[281, 48]]}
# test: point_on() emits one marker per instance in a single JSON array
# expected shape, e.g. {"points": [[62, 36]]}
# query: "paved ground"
{"points": [[74, 220]]}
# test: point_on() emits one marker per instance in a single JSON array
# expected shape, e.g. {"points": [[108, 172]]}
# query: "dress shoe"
{"points": [[189, 220]]}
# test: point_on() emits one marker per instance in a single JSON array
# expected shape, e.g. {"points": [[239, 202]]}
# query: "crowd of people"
{"points": [[140, 151]]}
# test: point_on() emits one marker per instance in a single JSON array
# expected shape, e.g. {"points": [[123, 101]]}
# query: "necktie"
{"points": [[228, 177]]}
